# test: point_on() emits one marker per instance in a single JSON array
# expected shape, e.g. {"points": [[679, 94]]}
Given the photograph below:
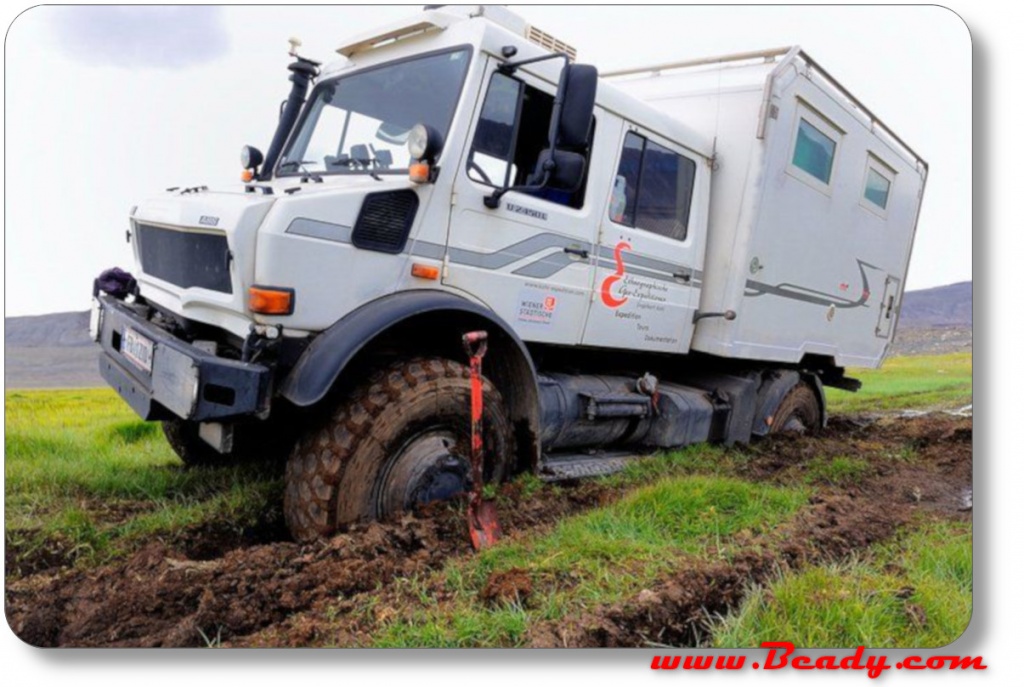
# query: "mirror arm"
{"points": [[511, 67], [492, 201]]}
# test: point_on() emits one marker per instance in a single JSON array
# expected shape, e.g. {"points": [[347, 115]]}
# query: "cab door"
{"points": [[529, 259], [650, 248]]}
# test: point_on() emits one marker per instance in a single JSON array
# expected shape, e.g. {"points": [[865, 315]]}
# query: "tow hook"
{"points": [[482, 515]]}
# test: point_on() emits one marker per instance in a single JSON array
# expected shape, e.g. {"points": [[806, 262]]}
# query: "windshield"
{"points": [[359, 123]]}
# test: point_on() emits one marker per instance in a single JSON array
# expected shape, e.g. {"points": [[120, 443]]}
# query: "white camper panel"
{"points": [[814, 206]]}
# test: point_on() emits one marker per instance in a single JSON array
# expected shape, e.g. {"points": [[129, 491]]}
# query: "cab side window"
{"points": [[510, 136], [492, 154], [653, 188]]}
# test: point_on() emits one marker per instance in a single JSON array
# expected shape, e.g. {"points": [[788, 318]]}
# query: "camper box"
{"points": [[814, 205]]}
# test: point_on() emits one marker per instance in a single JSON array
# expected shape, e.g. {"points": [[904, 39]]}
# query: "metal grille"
{"points": [[185, 258], [385, 220], [546, 40]]}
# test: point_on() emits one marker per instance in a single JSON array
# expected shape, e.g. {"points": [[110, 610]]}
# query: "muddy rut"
{"points": [[209, 589]]}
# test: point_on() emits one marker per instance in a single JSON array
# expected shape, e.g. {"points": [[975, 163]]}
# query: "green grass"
{"points": [[841, 471], [82, 470], [915, 592], [925, 381], [602, 556]]}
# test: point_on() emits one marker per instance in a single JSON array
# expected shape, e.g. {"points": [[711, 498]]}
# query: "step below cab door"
{"points": [[650, 248]]}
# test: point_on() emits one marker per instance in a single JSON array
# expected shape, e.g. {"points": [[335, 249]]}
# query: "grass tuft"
{"points": [[915, 592], [840, 471]]}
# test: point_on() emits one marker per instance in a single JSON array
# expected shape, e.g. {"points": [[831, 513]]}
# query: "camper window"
{"points": [[877, 189], [878, 181], [814, 152], [653, 188]]}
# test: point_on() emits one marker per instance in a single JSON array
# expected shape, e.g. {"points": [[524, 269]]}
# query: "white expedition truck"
{"points": [[678, 254]]}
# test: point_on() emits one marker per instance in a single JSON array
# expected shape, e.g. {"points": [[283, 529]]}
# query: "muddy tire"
{"points": [[400, 439], [799, 412], [262, 442]]}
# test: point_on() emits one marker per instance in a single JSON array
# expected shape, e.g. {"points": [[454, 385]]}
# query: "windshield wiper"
{"points": [[301, 166]]}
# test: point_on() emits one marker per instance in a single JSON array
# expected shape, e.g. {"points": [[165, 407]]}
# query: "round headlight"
{"points": [[423, 142], [251, 157]]}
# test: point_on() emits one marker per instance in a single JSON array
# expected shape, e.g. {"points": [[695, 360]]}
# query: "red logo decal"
{"points": [[549, 303], [620, 269]]}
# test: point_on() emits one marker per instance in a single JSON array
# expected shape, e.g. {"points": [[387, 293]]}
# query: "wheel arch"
{"points": [[775, 385], [421, 323]]}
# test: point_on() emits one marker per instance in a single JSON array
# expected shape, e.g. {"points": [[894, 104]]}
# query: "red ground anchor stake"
{"points": [[482, 515]]}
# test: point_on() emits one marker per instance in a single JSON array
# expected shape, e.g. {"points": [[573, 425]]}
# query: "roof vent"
{"points": [[546, 40]]}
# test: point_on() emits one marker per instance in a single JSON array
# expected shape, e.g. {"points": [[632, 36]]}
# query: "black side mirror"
{"points": [[577, 106], [562, 166]]}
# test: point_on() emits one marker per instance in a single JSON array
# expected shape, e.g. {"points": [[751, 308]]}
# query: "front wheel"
{"points": [[400, 440]]}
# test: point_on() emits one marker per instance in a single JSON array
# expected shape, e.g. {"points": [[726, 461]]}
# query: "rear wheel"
{"points": [[799, 411], [399, 440]]}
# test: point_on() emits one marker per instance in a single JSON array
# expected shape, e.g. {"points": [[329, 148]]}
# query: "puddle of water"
{"points": [[966, 411]]}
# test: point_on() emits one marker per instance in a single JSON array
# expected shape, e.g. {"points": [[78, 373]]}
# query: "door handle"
{"points": [[581, 253], [683, 276]]}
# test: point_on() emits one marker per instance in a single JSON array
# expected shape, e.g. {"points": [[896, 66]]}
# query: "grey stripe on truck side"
{"points": [[541, 268]]}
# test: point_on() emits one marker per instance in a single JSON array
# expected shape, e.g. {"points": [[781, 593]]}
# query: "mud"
{"points": [[507, 586], [221, 586], [217, 585], [161, 597]]}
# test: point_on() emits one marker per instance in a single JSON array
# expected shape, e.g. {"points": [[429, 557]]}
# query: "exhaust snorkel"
{"points": [[303, 72]]}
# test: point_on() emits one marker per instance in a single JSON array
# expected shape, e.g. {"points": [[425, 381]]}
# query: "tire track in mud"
{"points": [[190, 593], [209, 587], [678, 611]]}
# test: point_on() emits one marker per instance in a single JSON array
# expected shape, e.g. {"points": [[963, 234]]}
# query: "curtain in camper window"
{"points": [[814, 152]]}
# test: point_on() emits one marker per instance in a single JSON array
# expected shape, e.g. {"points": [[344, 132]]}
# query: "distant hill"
{"points": [[942, 306], [49, 351], [46, 351], [58, 329]]}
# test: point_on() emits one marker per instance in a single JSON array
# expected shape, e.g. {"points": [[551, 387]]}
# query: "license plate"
{"points": [[137, 349]]}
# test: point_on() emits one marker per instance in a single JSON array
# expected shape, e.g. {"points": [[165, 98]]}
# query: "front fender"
{"points": [[426, 320]]}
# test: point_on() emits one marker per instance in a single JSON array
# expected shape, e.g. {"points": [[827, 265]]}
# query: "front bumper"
{"points": [[184, 381]]}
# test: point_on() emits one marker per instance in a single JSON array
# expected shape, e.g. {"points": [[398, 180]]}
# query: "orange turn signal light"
{"points": [[247, 175], [425, 271], [269, 300], [419, 172]]}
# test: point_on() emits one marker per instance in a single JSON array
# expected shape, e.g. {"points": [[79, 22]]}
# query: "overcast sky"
{"points": [[107, 105]]}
